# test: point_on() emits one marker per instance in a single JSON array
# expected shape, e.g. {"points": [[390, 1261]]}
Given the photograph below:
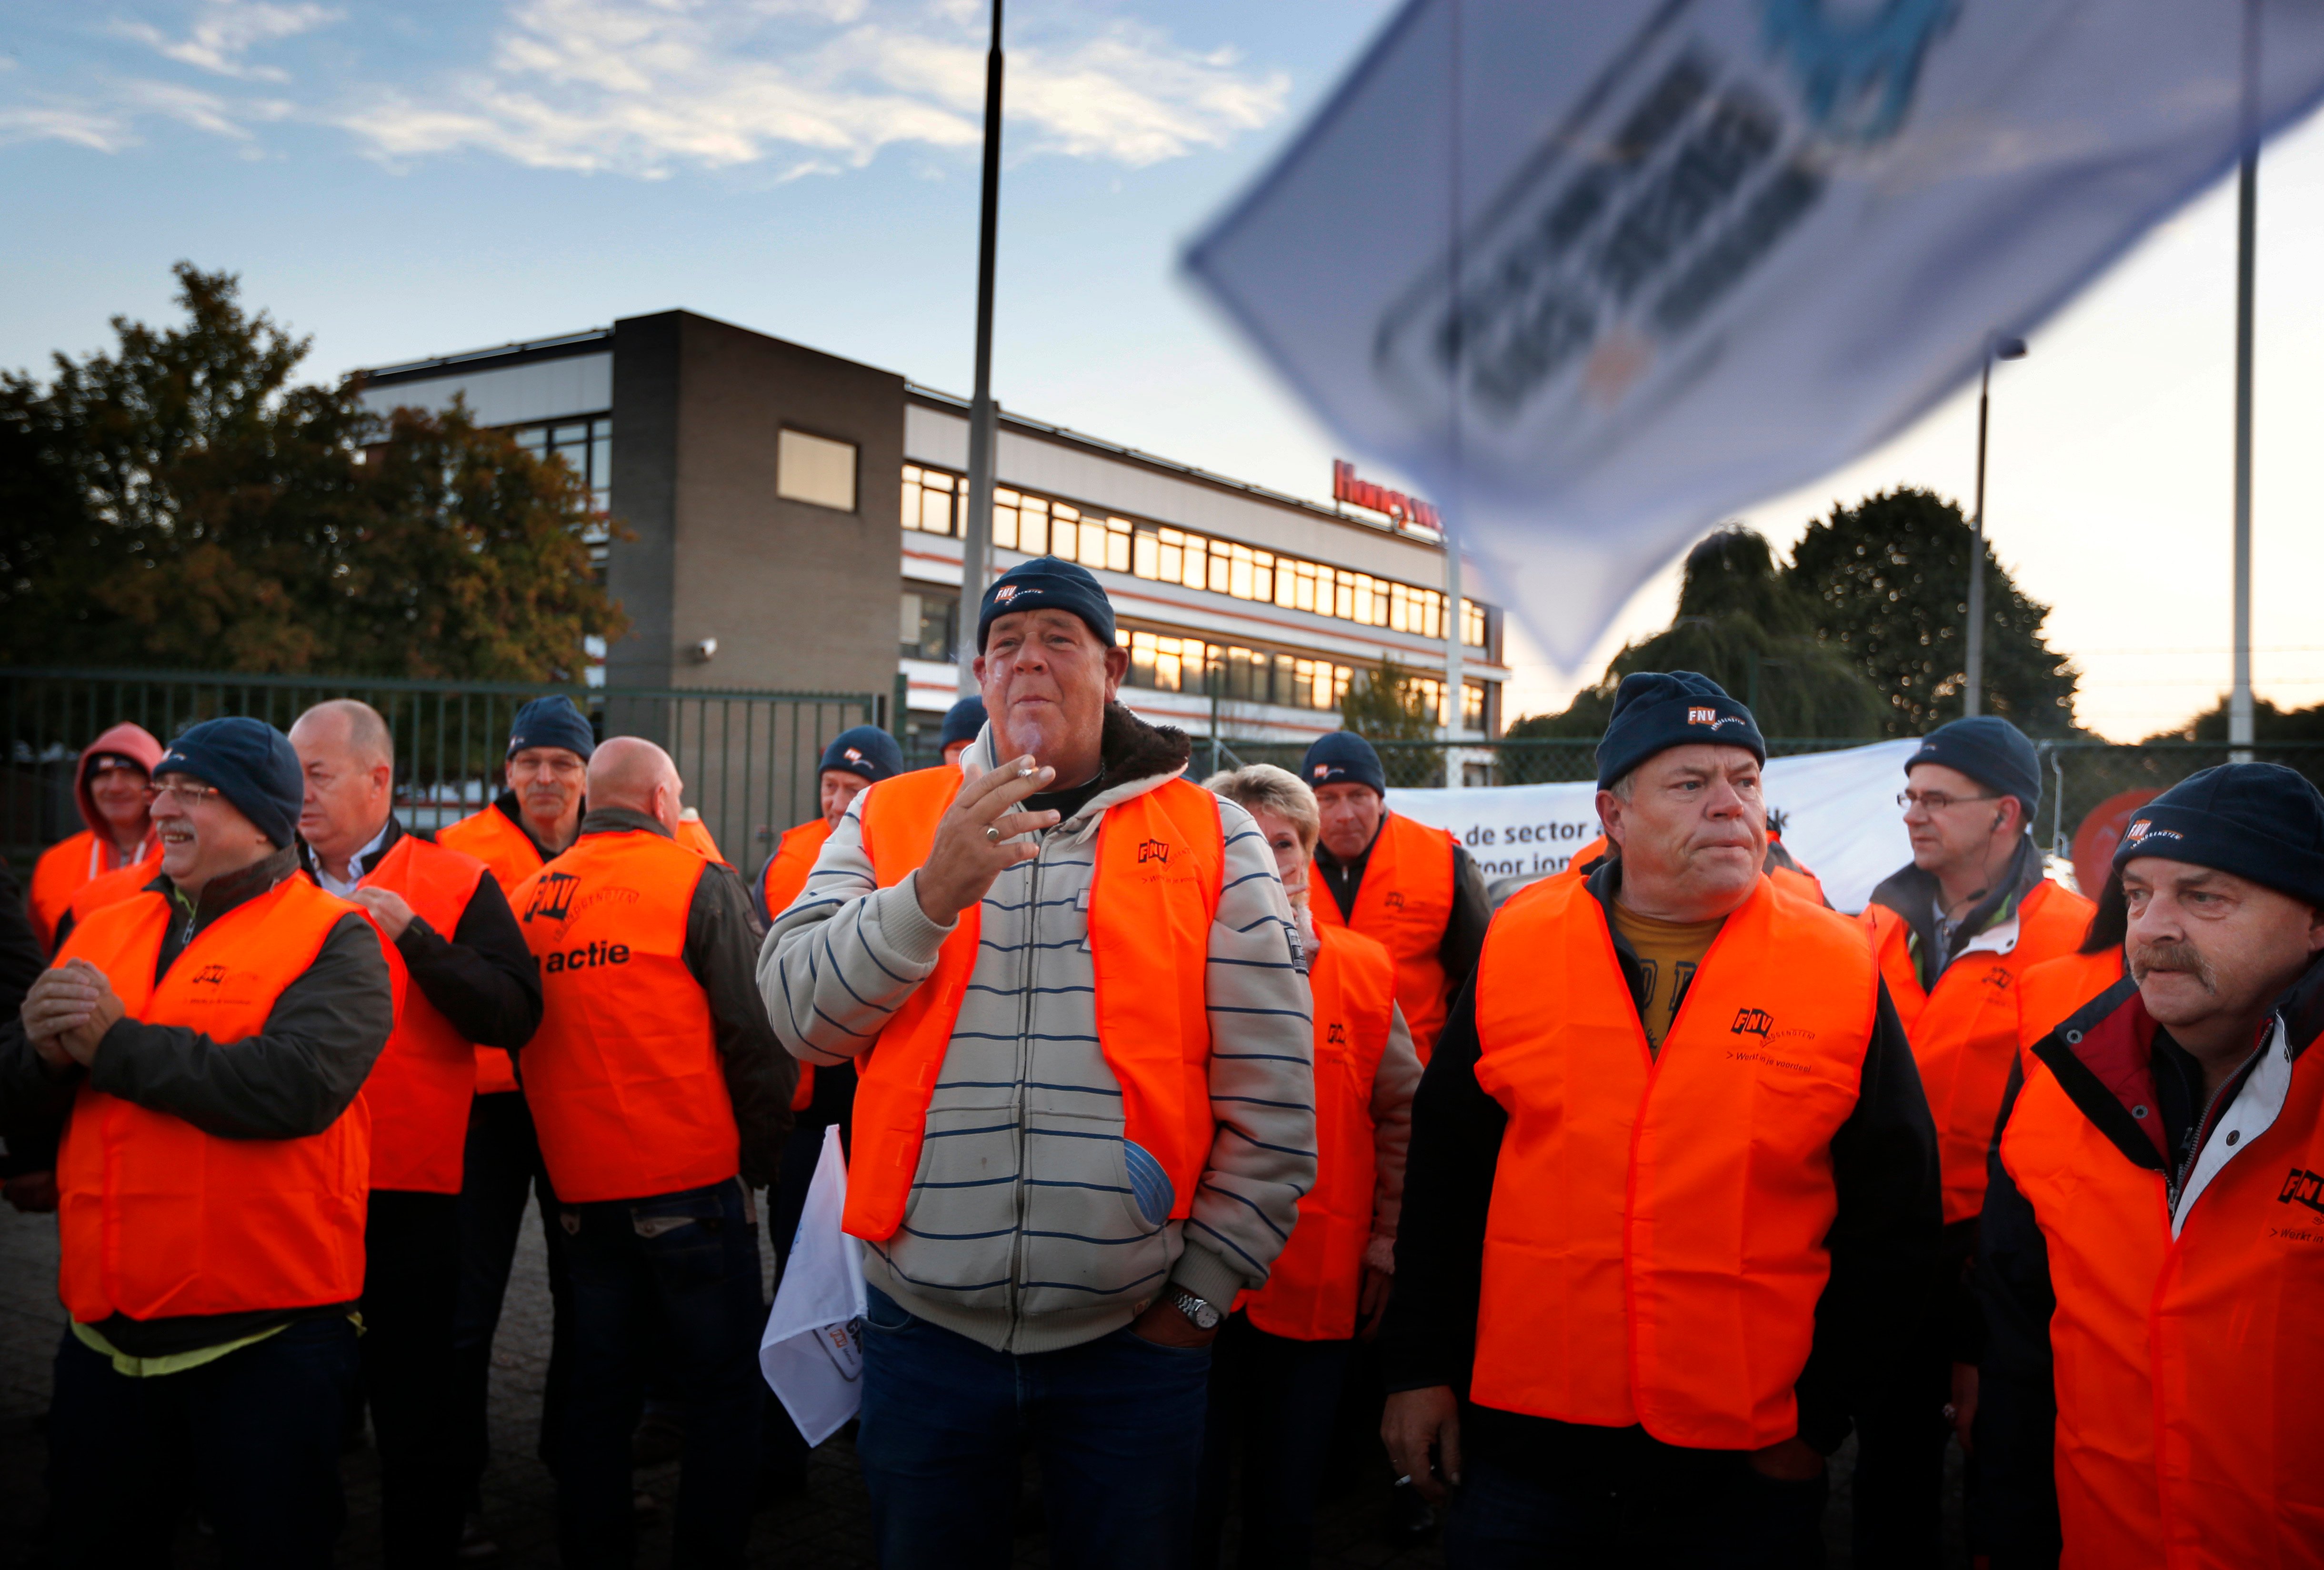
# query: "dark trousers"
{"points": [[1897, 1495], [254, 1436], [1632, 1501], [672, 1280], [503, 1167], [1277, 1400], [1117, 1424], [411, 1278]]}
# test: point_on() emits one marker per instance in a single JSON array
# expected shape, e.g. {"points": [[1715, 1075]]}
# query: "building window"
{"points": [[931, 625], [1164, 662], [586, 447], [815, 470], [1472, 623]]}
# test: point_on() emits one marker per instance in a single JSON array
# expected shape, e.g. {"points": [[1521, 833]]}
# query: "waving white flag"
{"points": [[1598, 273]]}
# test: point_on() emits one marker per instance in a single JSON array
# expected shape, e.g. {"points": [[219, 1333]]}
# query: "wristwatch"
{"points": [[1198, 1311]]}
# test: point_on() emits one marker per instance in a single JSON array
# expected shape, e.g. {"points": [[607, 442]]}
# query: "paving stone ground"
{"points": [[827, 1526]]}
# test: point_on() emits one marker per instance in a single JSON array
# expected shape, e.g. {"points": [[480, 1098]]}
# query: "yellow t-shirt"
{"points": [[1668, 953]]}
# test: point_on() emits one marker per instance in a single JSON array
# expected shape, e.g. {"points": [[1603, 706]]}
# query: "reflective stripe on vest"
{"points": [[1312, 1287], [623, 1077], [1629, 1184], [1964, 1033], [1154, 893], [160, 1219], [420, 1089], [2189, 1373], [1404, 902], [490, 837]]}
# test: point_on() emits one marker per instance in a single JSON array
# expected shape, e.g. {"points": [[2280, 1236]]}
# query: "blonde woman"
{"points": [[1278, 1367]]}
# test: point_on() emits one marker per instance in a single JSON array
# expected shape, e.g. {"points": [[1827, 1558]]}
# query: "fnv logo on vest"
{"points": [[552, 897], [1336, 1035], [2303, 1187], [210, 976], [1393, 899], [1153, 850], [1753, 1022]]}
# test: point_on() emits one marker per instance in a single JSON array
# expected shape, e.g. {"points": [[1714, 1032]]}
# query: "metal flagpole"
{"points": [[2239, 702], [1973, 665], [976, 531]]}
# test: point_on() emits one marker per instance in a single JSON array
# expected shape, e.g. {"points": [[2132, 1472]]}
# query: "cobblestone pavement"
{"points": [[827, 1526]]}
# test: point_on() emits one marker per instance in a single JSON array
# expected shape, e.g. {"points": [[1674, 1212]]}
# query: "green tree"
{"points": [[182, 502], [1389, 703], [2269, 724], [1740, 623], [1888, 584]]}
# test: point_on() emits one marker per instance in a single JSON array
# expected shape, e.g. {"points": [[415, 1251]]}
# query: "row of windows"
{"points": [[1163, 663], [936, 503]]}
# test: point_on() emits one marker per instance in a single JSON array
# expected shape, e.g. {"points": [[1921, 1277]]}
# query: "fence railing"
{"points": [[748, 758]]}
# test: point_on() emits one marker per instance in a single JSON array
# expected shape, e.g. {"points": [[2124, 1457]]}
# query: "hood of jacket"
{"points": [[129, 741]]}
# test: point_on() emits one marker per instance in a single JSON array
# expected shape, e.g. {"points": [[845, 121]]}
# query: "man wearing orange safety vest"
{"points": [[1954, 933], [211, 1035], [1278, 1367], [1084, 1110], [2153, 1247], [855, 758], [109, 788], [533, 820], [472, 982], [662, 1099], [1783, 869], [1672, 1182], [1402, 884]]}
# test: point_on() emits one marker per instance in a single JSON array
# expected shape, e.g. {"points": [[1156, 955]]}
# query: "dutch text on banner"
{"points": [[812, 1354], [1596, 273]]}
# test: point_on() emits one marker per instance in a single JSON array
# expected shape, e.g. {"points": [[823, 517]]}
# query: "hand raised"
{"points": [[389, 911], [67, 1010], [976, 840]]}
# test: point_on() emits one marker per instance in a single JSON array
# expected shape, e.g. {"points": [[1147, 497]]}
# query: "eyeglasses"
{"points": [[187, 797], [562, 768], [1936, 800]]}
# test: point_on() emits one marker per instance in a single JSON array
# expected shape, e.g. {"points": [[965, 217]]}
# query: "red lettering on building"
{"points": [[1409, 512]]}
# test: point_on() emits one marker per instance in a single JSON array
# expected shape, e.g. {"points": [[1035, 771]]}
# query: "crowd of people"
{"points": [[1181, 1119]]}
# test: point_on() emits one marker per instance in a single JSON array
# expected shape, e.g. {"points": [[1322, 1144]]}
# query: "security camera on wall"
{"points": [[704, 651]]}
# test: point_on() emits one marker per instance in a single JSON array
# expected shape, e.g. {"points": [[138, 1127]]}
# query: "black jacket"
{"points": [[1882, 1241], [721, 952]]}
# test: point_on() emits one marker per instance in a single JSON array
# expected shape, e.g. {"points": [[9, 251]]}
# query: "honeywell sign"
{"points": [[1407, 511]]}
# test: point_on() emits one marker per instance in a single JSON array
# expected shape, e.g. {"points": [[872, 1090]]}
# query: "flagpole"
{"points": [[976, 530], [2239, 701]]}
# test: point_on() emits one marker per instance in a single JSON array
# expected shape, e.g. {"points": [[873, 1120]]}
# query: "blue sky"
{"points": [[399, 180]]}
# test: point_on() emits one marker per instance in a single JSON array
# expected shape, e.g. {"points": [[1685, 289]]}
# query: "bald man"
{"points": [[472, 984], [662, 1099]]}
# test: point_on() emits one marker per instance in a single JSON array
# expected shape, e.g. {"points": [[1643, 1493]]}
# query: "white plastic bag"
{"points": [[812, 1354]]}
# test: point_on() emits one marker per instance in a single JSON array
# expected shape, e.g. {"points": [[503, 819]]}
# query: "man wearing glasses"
{"points": [[1954, 932]]}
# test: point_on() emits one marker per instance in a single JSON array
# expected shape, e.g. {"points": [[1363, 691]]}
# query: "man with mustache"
{"points": [[2152, 1249], [1672, 1182]]}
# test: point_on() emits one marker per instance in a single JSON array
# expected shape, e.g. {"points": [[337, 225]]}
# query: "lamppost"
{"points": [[1996, 348], [976, 530]]}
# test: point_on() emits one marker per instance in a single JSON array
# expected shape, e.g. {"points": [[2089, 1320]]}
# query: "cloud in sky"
{"points": [[650, 87]]}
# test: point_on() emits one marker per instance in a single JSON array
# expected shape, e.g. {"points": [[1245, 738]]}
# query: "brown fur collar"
{"points": [[1133, 750]]}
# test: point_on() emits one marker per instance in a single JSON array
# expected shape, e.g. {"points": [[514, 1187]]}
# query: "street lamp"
{"points": [[1996, 348]]}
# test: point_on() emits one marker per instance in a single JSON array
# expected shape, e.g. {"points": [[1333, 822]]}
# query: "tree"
{"points": [[180, 502], [1389, 703], [1888, 583], [2269, 724], [1740, 623]]}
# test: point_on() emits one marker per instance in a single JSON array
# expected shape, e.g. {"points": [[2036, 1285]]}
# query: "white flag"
{"points": [[1598, 273], [812, 1354]]}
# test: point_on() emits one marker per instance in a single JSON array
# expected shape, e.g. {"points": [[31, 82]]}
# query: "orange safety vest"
{"points": [[1794, 881], [2188, 1371], [1964, 1033], [2050, 992], [1655, 1248], [420, 1089], [1154, 893], [160, 1219], [67, 866], [114, 886], [779, 883], [623, 1077], [694, 836], [1578, 866], [1311, 1289], [1404, 902], [490, 837]]}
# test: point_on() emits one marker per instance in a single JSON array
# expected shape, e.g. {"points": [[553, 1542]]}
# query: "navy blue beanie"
{"points": [[1045, 583], [1342, 758], [253, 766], [1657, 710], [1990, 751], [2261, 821], [552, 722], [962, 722], [865, 750]]}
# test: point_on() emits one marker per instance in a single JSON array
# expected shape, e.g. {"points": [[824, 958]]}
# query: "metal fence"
{"points": [[748, 758]]}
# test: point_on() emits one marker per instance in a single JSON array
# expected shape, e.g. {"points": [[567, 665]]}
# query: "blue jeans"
{"points": [[1117, 1424], [1277, 1400], [1653, 1507], [254, 1434], [676, 1276]]}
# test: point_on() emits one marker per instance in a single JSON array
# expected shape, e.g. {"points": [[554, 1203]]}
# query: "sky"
{"points": [[408, 179]]}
